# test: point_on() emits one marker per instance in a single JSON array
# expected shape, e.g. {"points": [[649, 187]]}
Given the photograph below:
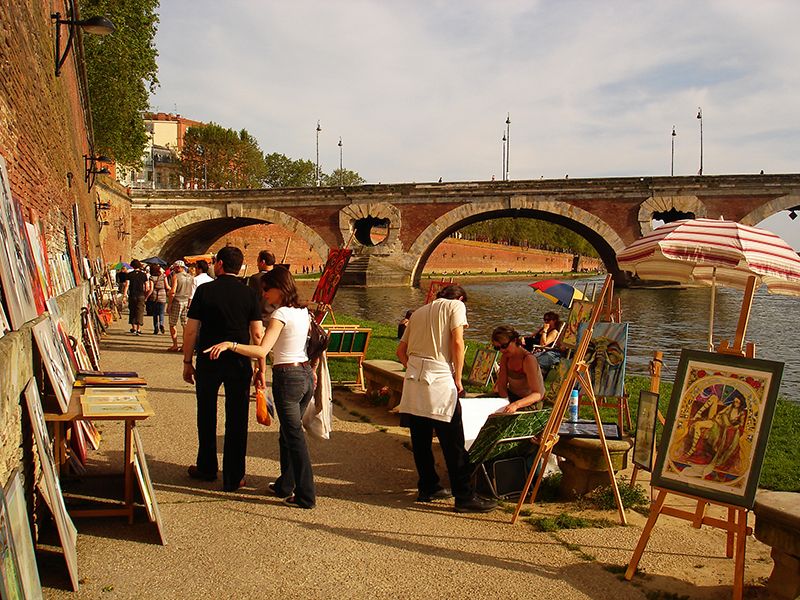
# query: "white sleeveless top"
{"points": [[291, 344]]}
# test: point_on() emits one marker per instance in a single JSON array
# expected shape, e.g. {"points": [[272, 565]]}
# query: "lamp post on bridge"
{"points": [[503, 172], [317, 177], [672, 163], [341, 171], [700, 117], [508, 146]]}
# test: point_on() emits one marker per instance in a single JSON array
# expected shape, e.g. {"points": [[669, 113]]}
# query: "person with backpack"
{"points": [[293, 382]]}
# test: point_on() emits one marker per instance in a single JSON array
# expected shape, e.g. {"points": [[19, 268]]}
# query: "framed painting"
{"points": [[644, 442], [717, 426], [55, 359], [483, 366], [11, 581], [20, 526], [606, 356], [15, 269], [331, 275], [51, 485], [146, 485], [579, 313]]}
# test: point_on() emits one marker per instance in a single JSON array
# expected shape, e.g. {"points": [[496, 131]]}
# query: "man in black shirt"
{"points": [[223, 309]]}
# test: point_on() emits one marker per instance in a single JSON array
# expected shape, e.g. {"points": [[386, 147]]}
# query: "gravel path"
{"points": [[367, 538]]}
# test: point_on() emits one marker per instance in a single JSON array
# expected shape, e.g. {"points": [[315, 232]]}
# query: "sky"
{"points": [[421, 89]]}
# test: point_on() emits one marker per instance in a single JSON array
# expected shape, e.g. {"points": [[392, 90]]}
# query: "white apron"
{"points": [[429, 389]]}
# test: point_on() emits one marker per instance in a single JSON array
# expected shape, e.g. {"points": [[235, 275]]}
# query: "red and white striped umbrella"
{"points": [[692, 250], [714, 253]]}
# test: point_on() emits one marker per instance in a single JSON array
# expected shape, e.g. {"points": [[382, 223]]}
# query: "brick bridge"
{"points": [[609, 212]]}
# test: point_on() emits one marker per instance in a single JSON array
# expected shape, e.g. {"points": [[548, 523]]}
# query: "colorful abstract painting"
{"points": [[717, 426], [483, 366]]}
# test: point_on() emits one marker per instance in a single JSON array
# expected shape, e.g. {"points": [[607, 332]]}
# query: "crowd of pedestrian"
{"points": [[231, 327]]}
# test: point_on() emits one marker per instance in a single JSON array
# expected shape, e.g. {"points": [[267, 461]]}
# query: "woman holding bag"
{"points": [[158, 296], [292, 383]]}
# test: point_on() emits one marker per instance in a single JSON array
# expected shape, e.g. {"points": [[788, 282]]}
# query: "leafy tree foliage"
{"points": [[531, 233], [342, 177], [282, 171], [214, 157], [121, 70]]}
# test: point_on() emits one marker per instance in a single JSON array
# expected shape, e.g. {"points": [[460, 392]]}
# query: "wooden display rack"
{"points": [[735, 525], [578, 371]]}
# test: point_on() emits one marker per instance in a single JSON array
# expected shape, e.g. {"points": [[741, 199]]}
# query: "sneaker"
{"points": [[274, 491], [440, 494], [476, 504], [292, 501], [196, 473], [162, 328]]}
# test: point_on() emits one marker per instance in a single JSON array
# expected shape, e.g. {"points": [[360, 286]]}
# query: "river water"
{"points": [[659, 319]]}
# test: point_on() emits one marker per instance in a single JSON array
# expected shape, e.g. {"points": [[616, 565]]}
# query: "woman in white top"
{"points": [[292, 383]]}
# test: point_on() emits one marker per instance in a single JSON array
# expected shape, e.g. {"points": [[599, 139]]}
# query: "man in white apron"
{"points": [[432, 350]]}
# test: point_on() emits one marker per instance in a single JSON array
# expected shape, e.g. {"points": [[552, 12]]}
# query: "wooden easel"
{"points": [[549, 438], [612, 313], [736, 524]]}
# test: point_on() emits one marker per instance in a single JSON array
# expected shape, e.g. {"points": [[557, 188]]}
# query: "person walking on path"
{"points": [[158, 295], [432, 350], [180, 290], [293, 383], [266, 262], [222, 309], [201, 277], [137, 286]]}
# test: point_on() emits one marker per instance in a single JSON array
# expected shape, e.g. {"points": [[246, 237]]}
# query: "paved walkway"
{"points": [[367, 538]]}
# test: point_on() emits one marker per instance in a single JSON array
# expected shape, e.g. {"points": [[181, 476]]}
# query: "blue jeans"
{"points": [[293, 389], [158, 316]]}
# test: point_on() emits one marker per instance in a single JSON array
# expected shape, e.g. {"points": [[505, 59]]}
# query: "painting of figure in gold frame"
{"points": [[717, 426]]}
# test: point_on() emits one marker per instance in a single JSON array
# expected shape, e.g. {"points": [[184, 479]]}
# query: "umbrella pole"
{"points": [[711, 315]]}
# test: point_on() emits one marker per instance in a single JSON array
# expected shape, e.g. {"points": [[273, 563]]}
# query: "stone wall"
{"points": [[464, 256], [115, 234], [43, 138]]}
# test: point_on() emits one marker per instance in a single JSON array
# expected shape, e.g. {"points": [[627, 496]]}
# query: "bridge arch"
{"points": [[194, 231], [770, 208], [596, 231]]}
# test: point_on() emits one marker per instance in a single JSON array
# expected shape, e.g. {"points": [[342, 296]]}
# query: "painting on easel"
{"points": [[717, 426], [606, 358], [483, 366], [331, 275], [580, 313]]}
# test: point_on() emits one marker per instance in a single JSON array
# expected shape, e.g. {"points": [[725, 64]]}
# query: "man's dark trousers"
{"points": [[451, 441], [235, 375]]}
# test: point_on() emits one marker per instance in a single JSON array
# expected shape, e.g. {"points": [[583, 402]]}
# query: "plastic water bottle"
{"points": [[573, 406]]}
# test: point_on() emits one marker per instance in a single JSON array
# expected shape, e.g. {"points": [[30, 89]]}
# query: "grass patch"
{"points": [[633, 496], [567, 521]]}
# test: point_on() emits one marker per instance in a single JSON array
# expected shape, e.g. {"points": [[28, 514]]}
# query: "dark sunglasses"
{"points": [[501, 346]]}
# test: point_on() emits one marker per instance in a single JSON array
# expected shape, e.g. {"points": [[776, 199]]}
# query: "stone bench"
{"points": [[388, 374], [584, 466], [778, 525]]}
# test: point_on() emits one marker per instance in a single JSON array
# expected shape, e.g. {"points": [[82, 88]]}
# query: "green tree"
{"points": [[343, 177], [282, 171], [530, 233], [121, 70], [214, 157]]}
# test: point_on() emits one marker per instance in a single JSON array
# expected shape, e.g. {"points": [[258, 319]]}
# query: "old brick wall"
{"points": [[464, 256], [115, 233], [43, 137]]}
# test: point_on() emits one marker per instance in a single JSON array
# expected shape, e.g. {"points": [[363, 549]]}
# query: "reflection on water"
{"points": [[665, 319]]}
